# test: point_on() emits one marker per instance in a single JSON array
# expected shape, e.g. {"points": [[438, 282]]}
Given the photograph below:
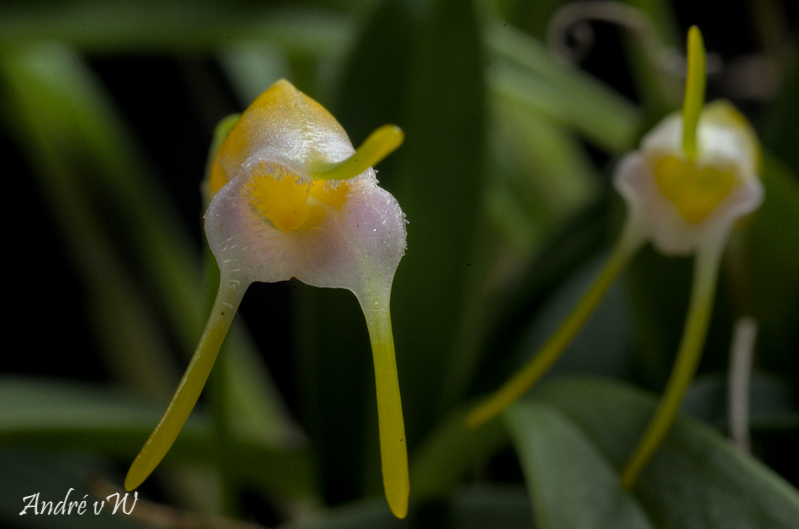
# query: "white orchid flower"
{"points": [[694, 175], [291, 198]]}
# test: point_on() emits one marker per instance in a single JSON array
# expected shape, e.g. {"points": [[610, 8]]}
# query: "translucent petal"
{"points": [[365, 238], [727, 145]]}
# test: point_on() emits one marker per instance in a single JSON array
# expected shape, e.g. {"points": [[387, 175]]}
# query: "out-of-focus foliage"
{"points": [[107, 111]]}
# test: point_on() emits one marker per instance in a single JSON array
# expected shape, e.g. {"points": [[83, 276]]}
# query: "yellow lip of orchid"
{"points": [[693, 177], [291, 198]]}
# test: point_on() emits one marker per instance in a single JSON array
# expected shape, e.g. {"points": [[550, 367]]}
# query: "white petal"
{"points": [[363, 239], [719, 144]]}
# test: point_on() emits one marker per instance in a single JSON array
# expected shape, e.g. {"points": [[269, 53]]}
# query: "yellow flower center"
{"points": [[290, 202], [696, 190]]}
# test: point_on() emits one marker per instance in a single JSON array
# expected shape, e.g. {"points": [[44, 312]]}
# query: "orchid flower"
{"points": [[694, 175], [290, 197]]}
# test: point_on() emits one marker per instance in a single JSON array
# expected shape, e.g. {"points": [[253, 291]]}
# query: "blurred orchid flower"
{"points": [[694, 175], [290, 197]]}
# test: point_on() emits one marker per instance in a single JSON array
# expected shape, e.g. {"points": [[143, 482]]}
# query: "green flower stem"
{"points": [[393, 449], [191, 385], [517, 386], [703, 292]]}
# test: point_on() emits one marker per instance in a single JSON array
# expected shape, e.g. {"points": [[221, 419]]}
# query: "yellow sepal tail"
{"points": [[393, 449], [377, 146], [694, 91], [190, 386]]}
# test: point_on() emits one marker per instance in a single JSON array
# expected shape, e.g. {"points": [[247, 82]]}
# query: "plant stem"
{"points": [[191, 385], [627, 245], [688, 356]]}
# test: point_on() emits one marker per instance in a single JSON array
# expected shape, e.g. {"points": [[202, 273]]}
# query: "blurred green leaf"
{"points": [[767, 276], [584, 429], [450, 451], [653, 36], [420, 69], [521, 300], [659, 290], [525, 72], [564, 469], [41, 414], [107, 203], [477, 507], [772, 402], [438, 179], [78, 152], [782, 119], [104, 27], [603, 345], [541, 175]]}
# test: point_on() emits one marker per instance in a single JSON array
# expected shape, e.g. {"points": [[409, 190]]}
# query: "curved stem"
{"points": [[393, 449], [688, 356], [191, 385], [517, 386]]}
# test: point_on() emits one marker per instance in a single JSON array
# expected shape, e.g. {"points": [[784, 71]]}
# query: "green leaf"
{"points": [[772, 402], [659, 295], [697, 479], [521, 318], [525, 73], [97, 184], [438, 182], [571, 483], [602, 346], [782, 116], [476, 507], [83, 162], [45, 415], [540, 175], [106, 27], [769, 280], [421, 70], [659, 92], [450, 452]]}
